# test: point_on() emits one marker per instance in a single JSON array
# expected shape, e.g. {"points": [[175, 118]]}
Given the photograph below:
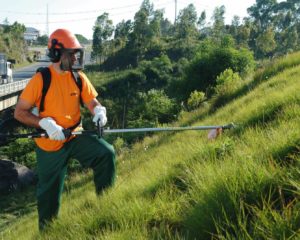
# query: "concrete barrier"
{"points": [[9, 93], [6, 89]]}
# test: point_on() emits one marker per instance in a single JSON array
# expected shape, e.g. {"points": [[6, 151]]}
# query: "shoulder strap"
{"points": [[78, 82], [46, 75]]}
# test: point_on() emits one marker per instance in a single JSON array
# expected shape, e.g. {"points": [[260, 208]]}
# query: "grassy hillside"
{"points": [[244, 185]]}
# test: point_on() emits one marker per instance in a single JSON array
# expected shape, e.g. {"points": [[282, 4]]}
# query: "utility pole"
{"points": [[47, 22], [175, 11]]}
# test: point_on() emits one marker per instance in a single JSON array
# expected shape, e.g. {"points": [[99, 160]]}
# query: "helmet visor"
{"points": [[72, 59]]}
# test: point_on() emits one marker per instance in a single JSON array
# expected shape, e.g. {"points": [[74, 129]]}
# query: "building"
{"points": [[31, 34]]}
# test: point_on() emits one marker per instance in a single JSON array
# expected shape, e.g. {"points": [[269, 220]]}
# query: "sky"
{"points": [[79, 16]]}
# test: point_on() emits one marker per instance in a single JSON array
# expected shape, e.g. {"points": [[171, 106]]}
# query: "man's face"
{"points": [[71, 59], [67, 59]]}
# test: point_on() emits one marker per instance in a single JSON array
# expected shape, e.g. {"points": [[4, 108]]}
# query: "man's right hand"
{"points": [[54, 131]]}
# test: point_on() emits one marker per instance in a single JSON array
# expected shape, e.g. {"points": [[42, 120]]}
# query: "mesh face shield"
{"points": [[72, 59]]}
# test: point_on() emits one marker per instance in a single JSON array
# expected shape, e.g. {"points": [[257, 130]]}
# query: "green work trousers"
{"points": [[90, 151]]}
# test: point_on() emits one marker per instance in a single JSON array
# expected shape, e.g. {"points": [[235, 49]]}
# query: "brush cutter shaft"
{"points": [[102, 131], [133, 130]]}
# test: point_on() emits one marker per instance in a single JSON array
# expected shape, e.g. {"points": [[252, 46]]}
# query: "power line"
{"points": [[77, 12], [90, 18], [68, 13], [175, 11], [47, 22], [197, 3]]}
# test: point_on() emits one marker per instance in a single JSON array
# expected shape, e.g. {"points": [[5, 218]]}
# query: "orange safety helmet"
{"points": [[63, 38]]}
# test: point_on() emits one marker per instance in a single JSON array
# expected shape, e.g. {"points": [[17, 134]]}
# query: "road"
{"points": [[28, 71]]}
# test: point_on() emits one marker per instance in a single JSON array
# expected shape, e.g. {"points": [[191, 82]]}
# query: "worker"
{"points": [[61, 110]]}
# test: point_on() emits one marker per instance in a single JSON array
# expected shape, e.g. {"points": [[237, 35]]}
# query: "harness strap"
{"points": [[78, 82], [75, 125], [46, 74]]}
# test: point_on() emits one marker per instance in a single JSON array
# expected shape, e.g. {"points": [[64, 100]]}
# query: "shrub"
{"points": [[21, 151], [119, 145], [227, 82], [153, 107], [157, 72], [203, 70], [195, 99]]}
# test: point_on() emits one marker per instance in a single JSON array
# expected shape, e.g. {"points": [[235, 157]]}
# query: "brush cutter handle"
{"points": [[66, 132], [99, 129]]}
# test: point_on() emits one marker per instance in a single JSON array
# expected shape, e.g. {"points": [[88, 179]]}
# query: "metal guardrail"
{"points": [[9, 88]]}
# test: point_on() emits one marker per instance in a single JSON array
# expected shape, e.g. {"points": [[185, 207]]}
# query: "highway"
{"points": [[28, 71]]}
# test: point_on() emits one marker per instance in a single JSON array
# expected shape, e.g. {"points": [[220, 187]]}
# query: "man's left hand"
{"points": [[100, 115]]}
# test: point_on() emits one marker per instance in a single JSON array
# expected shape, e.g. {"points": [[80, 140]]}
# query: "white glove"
{"points": [[100, 115], [53, 130]]}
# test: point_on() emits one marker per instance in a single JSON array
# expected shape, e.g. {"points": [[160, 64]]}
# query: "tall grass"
{"points": [[271, 68], [243, 185]]}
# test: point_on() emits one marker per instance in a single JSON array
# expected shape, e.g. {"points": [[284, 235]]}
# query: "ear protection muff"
{"points": [[55, 53]]}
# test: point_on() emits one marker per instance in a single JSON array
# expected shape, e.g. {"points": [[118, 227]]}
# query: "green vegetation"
{"points": [[12, 42], [82, 39], [195, 100], [271, 29], [243, 185], [179, 185]]}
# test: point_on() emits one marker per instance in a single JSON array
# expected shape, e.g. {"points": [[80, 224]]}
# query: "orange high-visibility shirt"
{"points": [[62, 101]]}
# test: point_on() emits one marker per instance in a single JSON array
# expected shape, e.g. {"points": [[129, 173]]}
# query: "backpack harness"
{"points": [[46, 76]]}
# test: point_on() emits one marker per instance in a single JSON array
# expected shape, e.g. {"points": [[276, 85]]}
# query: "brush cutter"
{"points": [[101, 131]]}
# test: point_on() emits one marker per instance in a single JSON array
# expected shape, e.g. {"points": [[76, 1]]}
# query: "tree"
{"points": [[82, 39], [202, 20], [103, 30], [12, 41], [243, 35], [17, 30], [262, 13], [202, 72], [265, 42], [235, 24], [142, 33], [274, 26], [166, 27], [42, 40], [122, 32], [218, 23], [186, 23], [155, 23], [290, 40]]}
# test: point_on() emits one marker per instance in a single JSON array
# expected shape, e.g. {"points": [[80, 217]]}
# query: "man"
{"points": [[61, 110]]}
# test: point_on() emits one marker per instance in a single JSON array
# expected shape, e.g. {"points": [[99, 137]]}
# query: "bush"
{"points": [[21, 151], [195, 99], [119, 145], [153, 107], [202, 72], [227, 82], [157, 72]]}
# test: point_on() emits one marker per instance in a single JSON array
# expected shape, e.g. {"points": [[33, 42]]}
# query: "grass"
{"points": [[243, 185]]}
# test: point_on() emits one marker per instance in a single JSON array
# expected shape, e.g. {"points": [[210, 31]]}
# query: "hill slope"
{"points": [[244, 185]]}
